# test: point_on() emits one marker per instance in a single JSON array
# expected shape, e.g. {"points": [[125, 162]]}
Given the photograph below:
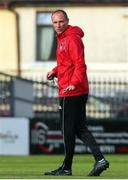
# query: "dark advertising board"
{"points": [[46, 136]]}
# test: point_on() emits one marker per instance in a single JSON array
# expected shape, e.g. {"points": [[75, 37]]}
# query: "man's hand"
{"points": [[69, 88], [50, 75]]}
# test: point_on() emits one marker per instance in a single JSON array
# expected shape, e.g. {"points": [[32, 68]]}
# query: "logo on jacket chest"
{"points": [[61, 46]]}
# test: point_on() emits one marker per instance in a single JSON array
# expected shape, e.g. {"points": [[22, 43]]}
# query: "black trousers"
{"points": [[73, 118]]}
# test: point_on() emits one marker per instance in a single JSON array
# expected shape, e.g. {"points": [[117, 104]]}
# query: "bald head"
{"points": [[62, 12], [60, 21]]}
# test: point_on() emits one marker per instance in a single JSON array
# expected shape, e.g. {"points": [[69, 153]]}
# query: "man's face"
{"points": [[59, 22]]}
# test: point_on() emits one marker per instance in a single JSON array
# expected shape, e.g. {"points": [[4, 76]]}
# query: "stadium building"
{"points": [[28, 42]]}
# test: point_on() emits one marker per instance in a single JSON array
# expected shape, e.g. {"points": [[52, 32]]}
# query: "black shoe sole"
{"points": [[48, 174], [57, 174]]}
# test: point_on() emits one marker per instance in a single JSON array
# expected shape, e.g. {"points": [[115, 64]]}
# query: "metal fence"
{"points": [[108, 98], [5, 95]]}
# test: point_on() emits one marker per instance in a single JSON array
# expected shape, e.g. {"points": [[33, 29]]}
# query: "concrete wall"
{"points": [[8, 42], [106, 38]]}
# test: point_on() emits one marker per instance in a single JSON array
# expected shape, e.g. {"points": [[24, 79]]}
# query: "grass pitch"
{"points": [[33, 167]]}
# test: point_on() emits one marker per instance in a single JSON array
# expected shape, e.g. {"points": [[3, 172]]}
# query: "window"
{"points": [[46, 39]]}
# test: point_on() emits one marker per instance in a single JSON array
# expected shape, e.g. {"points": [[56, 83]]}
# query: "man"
{"points": [[73, 94]]}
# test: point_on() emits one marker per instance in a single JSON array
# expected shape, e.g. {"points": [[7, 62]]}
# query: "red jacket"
{"points": [[71, 67]]}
